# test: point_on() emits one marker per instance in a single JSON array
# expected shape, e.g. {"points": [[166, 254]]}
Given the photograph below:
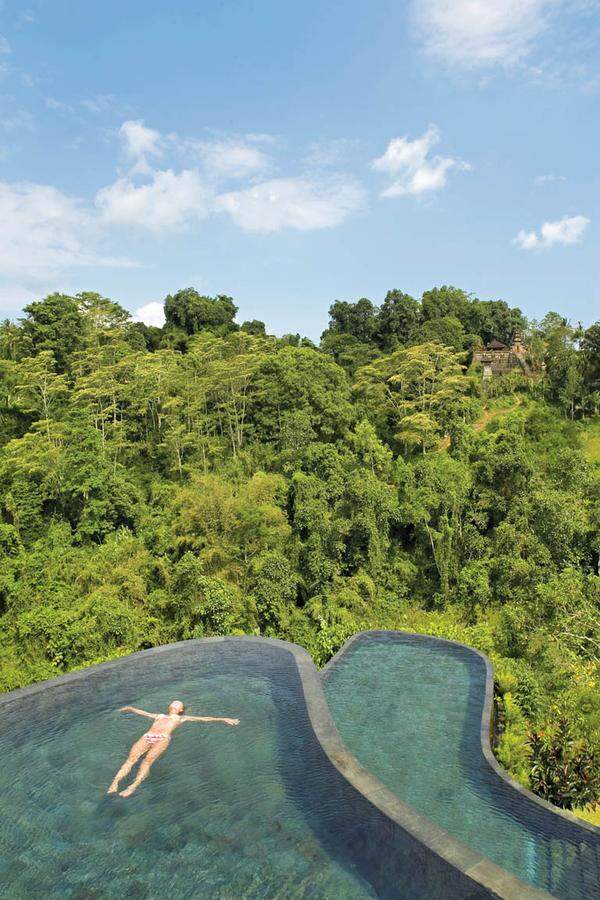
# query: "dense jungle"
{"points": [[159, 484]]}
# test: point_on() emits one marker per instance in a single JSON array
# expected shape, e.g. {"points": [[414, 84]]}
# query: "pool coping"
{"points": [[486, 715], [483, 873]]}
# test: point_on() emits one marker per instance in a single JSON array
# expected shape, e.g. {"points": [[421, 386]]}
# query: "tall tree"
{"points": [[590, 346], [192, 312], [357, 319], [57, 324], [565, 368], [445, 301], [397, 321], [414, 394]]}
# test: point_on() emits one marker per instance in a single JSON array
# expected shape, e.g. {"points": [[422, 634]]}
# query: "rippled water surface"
{"points": [[411, 713], [226, 812]]}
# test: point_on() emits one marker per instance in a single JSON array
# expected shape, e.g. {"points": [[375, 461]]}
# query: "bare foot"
{"points": [[113, 788], [128, 791]]}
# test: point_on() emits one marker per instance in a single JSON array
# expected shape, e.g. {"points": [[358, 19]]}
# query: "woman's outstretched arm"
{"points": [[210, 719], [140, 712]]}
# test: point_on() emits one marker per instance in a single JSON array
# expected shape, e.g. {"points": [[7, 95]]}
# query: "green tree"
{"points": [[273, 583], [55, 324], [565, 368], [357, 319], [299, 379], [192, 312], [447, 330], [397, 321], [347, 351], [590, 345], [38, 388], [414, 394], [445, 301], [254, 327]]}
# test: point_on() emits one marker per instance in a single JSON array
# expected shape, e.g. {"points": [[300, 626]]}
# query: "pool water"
{"points": [[410, 711], [226, 812]]}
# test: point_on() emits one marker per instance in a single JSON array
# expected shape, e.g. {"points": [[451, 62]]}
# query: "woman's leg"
{"points": [[138, 749], [152, 755]]}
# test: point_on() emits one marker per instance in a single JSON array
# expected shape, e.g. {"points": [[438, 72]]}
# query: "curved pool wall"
{"points": [[416, 712], [221, 815]]}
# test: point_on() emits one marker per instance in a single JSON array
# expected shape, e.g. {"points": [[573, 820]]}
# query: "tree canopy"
{"points": [[158, 484]]}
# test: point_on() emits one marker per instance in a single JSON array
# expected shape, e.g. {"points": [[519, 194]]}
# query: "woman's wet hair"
{"points": [[177, 703]]}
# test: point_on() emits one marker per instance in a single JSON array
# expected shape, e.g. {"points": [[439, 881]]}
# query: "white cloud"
{"points": [[40, 228], [150, 314], [43, 233], [412, 169], [229, 159], [58, 105], [168, 202], [260, 137], [165, 200], [568, 230], [140, 143], [547, 179], [527, 240], [46, 233], [105, 103], [290, 203], [480, 33], [327, 154]]}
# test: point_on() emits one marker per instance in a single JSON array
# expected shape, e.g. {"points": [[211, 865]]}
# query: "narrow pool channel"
{"points": [[409, 708]]}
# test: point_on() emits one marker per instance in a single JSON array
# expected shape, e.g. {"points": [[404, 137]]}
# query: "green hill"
{"points": [[209, 478]]}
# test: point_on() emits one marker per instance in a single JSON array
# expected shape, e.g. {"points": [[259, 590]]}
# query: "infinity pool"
{"points": [[277, 807], [253, 811], [409, 708]]}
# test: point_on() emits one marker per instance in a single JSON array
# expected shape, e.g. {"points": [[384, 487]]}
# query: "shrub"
{"points": [[513, 750], [564, 771]]}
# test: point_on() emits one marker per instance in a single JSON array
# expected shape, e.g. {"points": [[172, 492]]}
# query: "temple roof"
{"points": [[496, 345]]}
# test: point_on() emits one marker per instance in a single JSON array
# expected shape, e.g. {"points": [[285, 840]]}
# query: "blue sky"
{"points": [[292, 154]]}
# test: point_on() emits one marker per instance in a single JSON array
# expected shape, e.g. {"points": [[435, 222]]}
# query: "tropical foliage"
{"points": [[207, 478]]}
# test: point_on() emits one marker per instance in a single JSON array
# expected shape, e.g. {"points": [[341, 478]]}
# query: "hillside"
{"points": [[208, 478]]}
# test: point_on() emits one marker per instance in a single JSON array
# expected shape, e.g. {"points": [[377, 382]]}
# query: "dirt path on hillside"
{"points": [[487, 417]]}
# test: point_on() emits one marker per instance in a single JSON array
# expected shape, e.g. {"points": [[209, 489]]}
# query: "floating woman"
{"points": [[154, 742]]}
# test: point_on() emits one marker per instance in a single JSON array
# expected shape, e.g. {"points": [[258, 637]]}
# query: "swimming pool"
{"points": [[274, 808], [226, 812], [410, 707]]}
